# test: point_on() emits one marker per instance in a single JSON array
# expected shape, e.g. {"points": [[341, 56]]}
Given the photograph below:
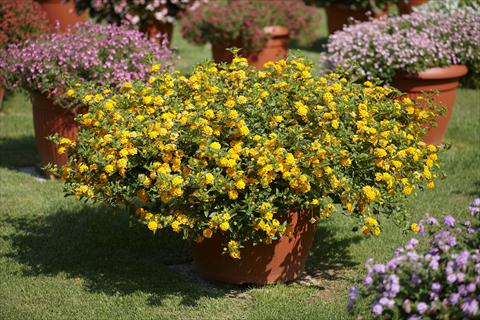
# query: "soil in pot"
{"points": [[63, 13], [340, 15], [274, 49], [445, 81], [50, 119], [281, 261]]}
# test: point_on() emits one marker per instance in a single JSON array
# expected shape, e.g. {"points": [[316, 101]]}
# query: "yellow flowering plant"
{"points": [[228, 150]]}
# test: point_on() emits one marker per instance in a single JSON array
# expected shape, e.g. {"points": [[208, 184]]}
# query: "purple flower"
{"points": [[421, 307], [436, 287], [470, 306], [377, 309], [475, 206], [352, 296], [379, 268], [454, 298], [449, 221]]}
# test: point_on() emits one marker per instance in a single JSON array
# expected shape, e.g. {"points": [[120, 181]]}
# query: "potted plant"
{"points": [[344, 12], [62, 14], [243, 162], [19, 20], [436, 275], [414, 53], [152, 17], [261, 29], [48, 66]]}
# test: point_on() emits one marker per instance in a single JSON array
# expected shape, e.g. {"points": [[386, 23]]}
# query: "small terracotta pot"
{"points": [[153, 29], [406, 8], [63, 12], [274, 49], [339, 15], [445, 81], [50, 119], [281, 261]]}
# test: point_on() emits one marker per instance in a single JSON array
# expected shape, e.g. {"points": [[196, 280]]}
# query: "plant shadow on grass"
{"points": [[319, 45], [18, 152], [97, 245]]}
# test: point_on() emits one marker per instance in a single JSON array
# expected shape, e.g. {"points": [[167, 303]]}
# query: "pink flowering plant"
{"points": [[137, 12], [101, 55], [230, 21], [434, 276], [374, 5], [407, 44], [20, 20]]}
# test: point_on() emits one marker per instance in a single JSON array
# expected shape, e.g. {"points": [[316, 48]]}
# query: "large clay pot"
{"points": [[407, 7], [156, 28], [339, 15], [274, 49], [281, 261], [62, 12], [445, 81], [50, 119]]}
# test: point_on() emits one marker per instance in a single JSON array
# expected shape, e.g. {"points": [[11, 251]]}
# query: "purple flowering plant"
{"points": [[98, 55], [382, 48], [135, 12], [434, 276]]}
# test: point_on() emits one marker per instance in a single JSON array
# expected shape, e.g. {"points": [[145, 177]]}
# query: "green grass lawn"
{"points": [[60, 259]]}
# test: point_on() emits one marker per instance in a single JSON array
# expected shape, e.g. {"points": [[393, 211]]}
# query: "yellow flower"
{"points": [[372, 222], [61, 150], [224, 226], [177, 181], [152, 225], [209, 178], [370, 193], [109, 168], [207, 233], [70, 92], [415, 228], [155, 68], [376, 231], [240, 184], [233, 194], [335, 124], [242, 100], [365, 230]]}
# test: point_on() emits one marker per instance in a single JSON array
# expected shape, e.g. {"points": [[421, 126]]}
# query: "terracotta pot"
{"points": [[445, 81], [281, 261], [63, 12], [2, 92], [274, 49], [339, 15], [406, 8], [156, 28], [49, 119]]}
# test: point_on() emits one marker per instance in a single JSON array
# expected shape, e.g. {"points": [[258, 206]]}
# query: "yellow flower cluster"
{"points": [[229, 150]]}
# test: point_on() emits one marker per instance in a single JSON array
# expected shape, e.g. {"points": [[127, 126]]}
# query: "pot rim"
{"points": [[276, 31], [437, 73]]}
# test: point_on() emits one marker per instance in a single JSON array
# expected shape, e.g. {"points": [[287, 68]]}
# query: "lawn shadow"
{"points": [[319, 45], [97, 245], [18, 152], [330, 255]]}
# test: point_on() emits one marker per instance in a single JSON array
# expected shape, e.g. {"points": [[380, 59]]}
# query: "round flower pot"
{"points": [[154, 29], [339, 15], [63, 13], [50, 119], [281, 261], [274, 49], [445, 81], [407, 7]]}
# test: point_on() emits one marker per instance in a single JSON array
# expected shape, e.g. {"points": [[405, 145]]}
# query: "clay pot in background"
{"points": [[445, 81], [274, 49], [339, 15], [281, 261], [157, 27], [407, 7], [2, 93], [63, 12], [50, 119]]}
